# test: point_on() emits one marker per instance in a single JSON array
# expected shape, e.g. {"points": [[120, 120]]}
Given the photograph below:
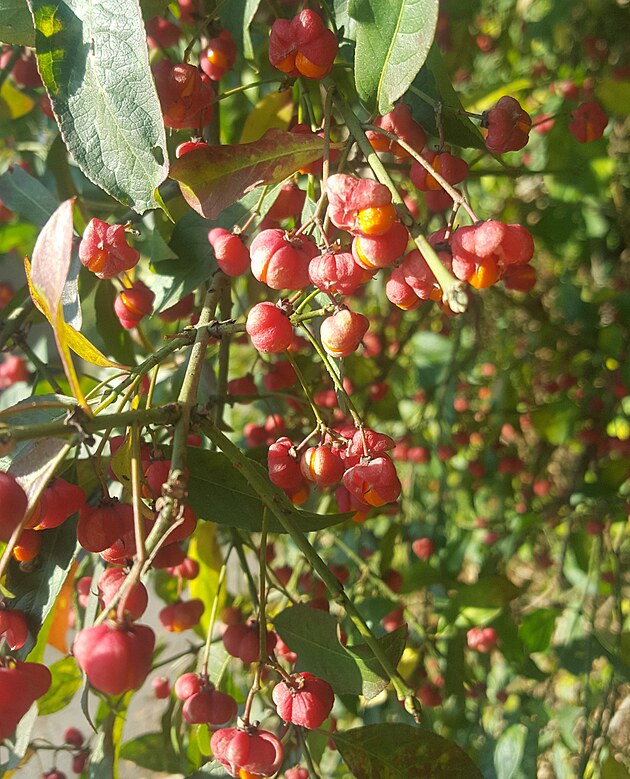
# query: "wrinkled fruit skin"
{"points": [[270, 330], [302, 46], [115, 657], [306, 702], [20, 685], [337, 272], [400, 122], [104, 249], [349, 196], [284, 468], [101, 526], [258, 752]]}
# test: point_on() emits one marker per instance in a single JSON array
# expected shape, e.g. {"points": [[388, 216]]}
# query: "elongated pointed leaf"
{"points": [[397, 751], [219, 493], [352, 670], [27, 196], [93, 60], [214, 177], [393, 40]]}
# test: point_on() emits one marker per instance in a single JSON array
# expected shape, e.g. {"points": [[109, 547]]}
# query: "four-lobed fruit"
{"points": [[209, 706], [508, 126], [482, 640], [401, 123], [20, 685], [588, 122], [341, 332], [219, 56], [243, 641], [302, 46], [13, 627], [280, 261], [250, 752], [181, 615], [304, 699], [115, 656], [104, 249]]}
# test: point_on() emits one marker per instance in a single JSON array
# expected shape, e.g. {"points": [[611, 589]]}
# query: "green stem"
{"points": [[213, 614], [333, 375], [166, 415], [225, 304], [265, 491]]}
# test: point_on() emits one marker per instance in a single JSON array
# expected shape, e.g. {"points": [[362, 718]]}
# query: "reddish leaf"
{"points": [[213, 177]]}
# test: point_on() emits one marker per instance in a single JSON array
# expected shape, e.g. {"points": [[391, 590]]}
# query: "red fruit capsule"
{"points": [[380, 251], [231, 253], [186, 95], [322, 465], [180, 310], [20, 685], [359, 205], [136, 599], [247, 753], [104, 249], [341, 333], [373, 483], [399, 292], [269, 328], [13, 627], [101, 526], [400, 122], [161, 687], [209, 706], [133, 304], [279, 261], [306, 700], [337, 272], [508, 126], [12, 369], [283, 465], [115, 657], [60, 500], [182, 615], [482, 640], [219, 56], [162, 32], [302, 46], [14, 504], [243, 641], [452, 169], [186, 685], [588, 122]]}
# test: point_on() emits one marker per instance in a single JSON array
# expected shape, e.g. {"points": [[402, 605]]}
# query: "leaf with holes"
{"points": [[393, 40], [94, 62], [213, 177]]}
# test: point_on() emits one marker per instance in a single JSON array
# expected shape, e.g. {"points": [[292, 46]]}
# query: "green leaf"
{"points": [[16, 23], [392, 43], [397, 751], [101, 765], [155, 752], [21, 741], [94, 63], [312, 634], [613, 769], [36, 591], [433, 81], [536, 629], [102, 327], [508, 753], [614, 95], [555, 421], [27, 196], [219, 493], [373, 681], [213, 177], [66, 681]]}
